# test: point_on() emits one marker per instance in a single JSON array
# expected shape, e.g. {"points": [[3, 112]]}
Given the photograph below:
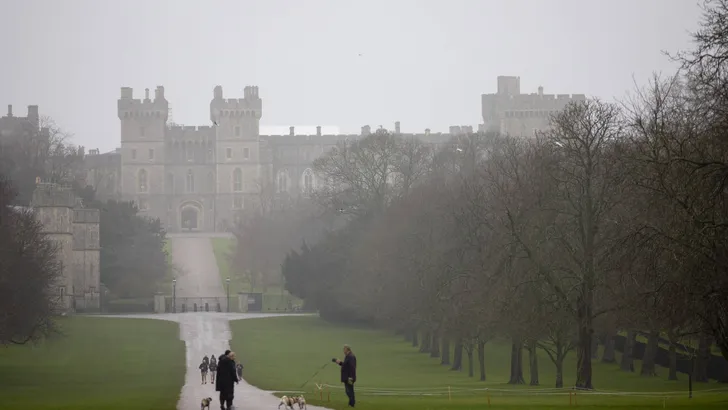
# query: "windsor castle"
{"points": [[199, 178]]}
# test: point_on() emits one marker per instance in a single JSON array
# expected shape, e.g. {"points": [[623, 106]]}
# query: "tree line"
{"points": [[614, 219], [132, 246]]}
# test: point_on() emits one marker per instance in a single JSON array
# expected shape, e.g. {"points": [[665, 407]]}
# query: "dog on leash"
{"points": [[205, 403], [288, 402], [301, 402]]}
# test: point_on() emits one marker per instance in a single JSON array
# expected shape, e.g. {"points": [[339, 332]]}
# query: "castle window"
{"points": [[190, 152], [237, 131], [133, 154], [237, 180], [238, 202], [143, 204], [170, 183], [308, 181], [229, 153], [282, 181], [190, 181], [210, 182], [142, 180], [246, 153], [151, 154]]}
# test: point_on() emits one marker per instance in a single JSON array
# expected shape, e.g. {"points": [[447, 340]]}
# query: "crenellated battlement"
{"points": [[129, 107], [181, 132], [250, 106]]}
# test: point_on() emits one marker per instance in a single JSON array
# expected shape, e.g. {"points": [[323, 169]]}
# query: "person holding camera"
{"points": [[348, 373]]}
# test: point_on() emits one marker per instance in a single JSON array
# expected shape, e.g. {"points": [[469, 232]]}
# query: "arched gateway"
{"points": [[190, 216]]}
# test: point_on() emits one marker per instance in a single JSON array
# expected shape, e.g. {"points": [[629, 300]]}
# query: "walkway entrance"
{"points": [[190, 217]]}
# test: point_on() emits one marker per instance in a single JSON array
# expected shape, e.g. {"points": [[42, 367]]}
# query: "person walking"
{"points": [[226, 379], [213, 369], [203, 371], [348, 373]]}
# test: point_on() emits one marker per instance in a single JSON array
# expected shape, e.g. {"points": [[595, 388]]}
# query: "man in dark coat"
{"points": [[348, 373], [226, 379]]}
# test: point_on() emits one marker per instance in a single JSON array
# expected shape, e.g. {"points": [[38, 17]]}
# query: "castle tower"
{"points": [[54, 209], [237, 156], [143, 128], [86, 258]]}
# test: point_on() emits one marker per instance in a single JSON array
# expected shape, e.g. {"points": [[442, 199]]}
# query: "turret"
{"points": [[142, 118], [236, 112]]}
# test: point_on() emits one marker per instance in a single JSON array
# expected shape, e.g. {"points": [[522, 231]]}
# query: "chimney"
{"points": [[318, 131], [146, 94], [427, 131], [10, 110], [291, 131], [396, 127], [33, 115], [540, 90]]}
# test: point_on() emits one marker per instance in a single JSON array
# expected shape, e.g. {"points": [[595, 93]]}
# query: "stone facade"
{"points": [[199, 178], [510, 112], [76, 230]]}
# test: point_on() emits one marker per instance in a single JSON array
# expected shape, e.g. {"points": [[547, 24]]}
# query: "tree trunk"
{"points": [[673, 356], [700, 373], [533, 363], [648, 359], [445, 356], [608, 355], [426, 340], [435, 344], [481, 359], [559, 370], [457, 363], [595, 347], [516, 362], [584, 346], [469, 351], [627, 364], [408, 335], [415, 342]]}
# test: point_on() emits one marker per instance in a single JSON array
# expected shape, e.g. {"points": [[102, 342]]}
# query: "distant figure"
{"points": [[206, 360], [213, 369], [348, 373], [226, 379], [239, 369], [203, 371]]}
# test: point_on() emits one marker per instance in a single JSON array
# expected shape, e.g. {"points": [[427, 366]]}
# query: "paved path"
{"points": [[206, 333]]}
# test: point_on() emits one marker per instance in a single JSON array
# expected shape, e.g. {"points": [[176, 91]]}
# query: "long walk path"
{"points": [[208, 333]]}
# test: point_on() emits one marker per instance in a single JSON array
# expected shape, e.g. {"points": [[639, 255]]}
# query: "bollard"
{"points": [[328, 393], [449, 394], [570, 398], [487, 394]]}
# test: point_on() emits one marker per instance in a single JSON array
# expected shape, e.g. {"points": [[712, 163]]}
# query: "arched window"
{"points": [[237, 180], [190, 181], [282, 184], [308, 181], [142, 181]]}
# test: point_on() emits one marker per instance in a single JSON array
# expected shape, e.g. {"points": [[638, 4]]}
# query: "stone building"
{"points": [[76, 230], [198, 178], [510, 112], [13, 126]]}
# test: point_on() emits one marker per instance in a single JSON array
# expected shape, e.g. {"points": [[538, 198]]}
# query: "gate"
{"points": [[197, 304]]}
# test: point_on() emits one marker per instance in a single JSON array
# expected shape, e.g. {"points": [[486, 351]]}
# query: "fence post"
{"points": [[487, 394], [449, 394]]}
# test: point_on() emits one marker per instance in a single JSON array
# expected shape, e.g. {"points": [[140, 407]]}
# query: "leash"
{"points": [[314, 375]]}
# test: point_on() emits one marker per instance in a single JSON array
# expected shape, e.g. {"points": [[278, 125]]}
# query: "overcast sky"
{"points": [[344, 63]]}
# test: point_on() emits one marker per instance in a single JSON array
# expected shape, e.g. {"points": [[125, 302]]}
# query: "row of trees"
{"points": [[132, 246], [613, 219]]}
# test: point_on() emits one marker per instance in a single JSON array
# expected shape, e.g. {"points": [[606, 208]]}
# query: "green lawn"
{"points": [[98, 363], [280, 354], [274, 297]]}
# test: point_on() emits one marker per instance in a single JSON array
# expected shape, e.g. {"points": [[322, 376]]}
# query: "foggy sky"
{"points": [[424, 62]]}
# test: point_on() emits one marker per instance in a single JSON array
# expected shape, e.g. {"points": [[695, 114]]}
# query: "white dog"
{"points": [[287, 402], [301, 402]]}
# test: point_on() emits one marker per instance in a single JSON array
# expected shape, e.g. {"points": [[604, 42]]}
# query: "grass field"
{"points": [[274, 297], [98, 363], [281, 354]]}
